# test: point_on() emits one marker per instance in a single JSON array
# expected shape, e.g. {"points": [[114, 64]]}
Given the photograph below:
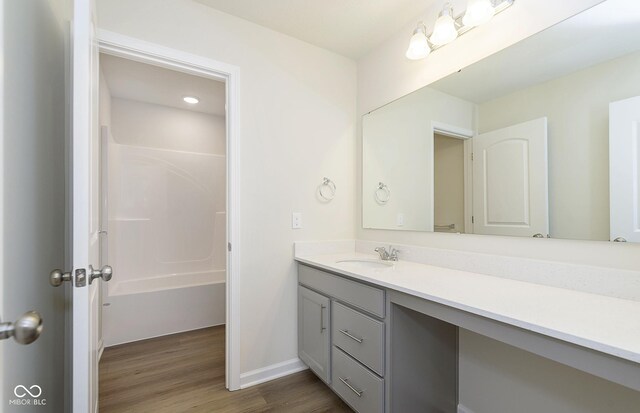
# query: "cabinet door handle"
{"points": [[322, 327], [353, 389], [351, 336]]}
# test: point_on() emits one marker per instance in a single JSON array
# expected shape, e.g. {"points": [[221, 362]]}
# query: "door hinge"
{"points": [[472, 156], [229, 246], [473, 221]]}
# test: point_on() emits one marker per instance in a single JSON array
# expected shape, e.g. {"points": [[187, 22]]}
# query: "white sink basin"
{"points": [[366, 263]]}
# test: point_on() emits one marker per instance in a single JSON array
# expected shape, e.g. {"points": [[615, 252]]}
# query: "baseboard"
{"points": [[274, 371], [115, 344], [463, 409]]}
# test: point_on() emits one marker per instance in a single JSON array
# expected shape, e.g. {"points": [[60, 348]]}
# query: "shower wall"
{"points": [[167, 223]]}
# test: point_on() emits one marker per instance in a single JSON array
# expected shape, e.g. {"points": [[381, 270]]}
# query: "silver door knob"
{"points": [[619, 239], [106, 272], [25, 330], [57, 277]]}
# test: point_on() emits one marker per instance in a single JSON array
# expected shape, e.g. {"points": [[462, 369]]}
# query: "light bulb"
{"points": [[418, 45], [478, 12], [445, 29]]}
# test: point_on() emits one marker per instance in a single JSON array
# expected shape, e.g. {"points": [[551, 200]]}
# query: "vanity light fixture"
{"points": [[191, 100], [445, 30], [478, 12], [419, 44], [448, 27]]}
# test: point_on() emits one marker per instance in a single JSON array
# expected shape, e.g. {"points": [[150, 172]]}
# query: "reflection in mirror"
{"points": [[519, 143], [448, 183]]}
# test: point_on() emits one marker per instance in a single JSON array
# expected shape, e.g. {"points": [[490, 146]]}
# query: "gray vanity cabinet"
{"points": [[353, 315], [314, 343]]}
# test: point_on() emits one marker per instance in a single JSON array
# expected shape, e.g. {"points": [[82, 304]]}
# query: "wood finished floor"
{"points": [[185, 373]]}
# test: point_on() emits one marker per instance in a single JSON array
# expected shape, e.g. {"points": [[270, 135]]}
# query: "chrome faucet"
{"points": [[391, 255]]}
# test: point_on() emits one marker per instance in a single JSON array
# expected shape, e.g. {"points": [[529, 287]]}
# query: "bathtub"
{"points": [[167, 282], [138, 309]]}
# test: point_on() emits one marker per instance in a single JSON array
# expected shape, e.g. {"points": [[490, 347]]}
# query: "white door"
{"points": [[510, 189], [32, 200], [624, 169], [85, 206]]}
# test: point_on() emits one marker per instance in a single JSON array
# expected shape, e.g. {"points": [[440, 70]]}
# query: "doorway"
{"points": [[212, 260], [448, 180], [163, 206]]}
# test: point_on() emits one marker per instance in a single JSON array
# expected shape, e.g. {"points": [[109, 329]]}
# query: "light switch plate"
{"points": [[296, 220], [400, 219]]}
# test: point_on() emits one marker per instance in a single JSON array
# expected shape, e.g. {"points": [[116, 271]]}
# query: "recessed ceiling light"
{"points": [[191, 100]]}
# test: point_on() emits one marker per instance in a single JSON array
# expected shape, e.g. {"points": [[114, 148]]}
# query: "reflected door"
{"points": [[624, 169], [510, 189]]}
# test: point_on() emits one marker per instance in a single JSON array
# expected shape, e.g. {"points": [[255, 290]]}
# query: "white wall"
{"points": [[297, 114], [167, 128], [384, 75]]}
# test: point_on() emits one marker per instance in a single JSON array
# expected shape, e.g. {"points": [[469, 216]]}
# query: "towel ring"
{"points": [[327, 189], [382, 194]]}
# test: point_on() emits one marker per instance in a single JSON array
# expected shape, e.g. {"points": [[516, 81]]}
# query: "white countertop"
{"points": [[606, 324]]}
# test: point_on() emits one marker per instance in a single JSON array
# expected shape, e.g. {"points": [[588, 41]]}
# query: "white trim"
{"points": [[272, 372], [451, 130], [151, 53], [2, 177], [464, 409]]}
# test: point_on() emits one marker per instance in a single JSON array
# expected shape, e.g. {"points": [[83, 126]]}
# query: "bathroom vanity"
{"points": [[384, 336]]}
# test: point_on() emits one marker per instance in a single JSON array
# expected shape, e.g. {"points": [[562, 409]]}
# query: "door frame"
{"points": [[467, 136], [150, 53]]}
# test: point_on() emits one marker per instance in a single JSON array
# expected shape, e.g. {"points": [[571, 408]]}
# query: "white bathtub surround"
{"points": [[167, 243], [167, 214], [167, 221]]}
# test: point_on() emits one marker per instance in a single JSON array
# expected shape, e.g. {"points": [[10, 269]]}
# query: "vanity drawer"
{"points": [[361, 389], [359, 295], [359, 335]]}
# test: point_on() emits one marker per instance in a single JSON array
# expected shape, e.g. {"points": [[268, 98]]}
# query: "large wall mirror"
{"points": [[541, 139]]}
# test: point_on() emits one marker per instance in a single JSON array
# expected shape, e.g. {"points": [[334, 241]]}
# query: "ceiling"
{"points": [[348, 27], [602, 33], [128, 79]]}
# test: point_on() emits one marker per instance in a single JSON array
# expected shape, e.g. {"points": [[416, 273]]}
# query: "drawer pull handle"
{"points": [[322, 327], [351, 336], [353, 389]]}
